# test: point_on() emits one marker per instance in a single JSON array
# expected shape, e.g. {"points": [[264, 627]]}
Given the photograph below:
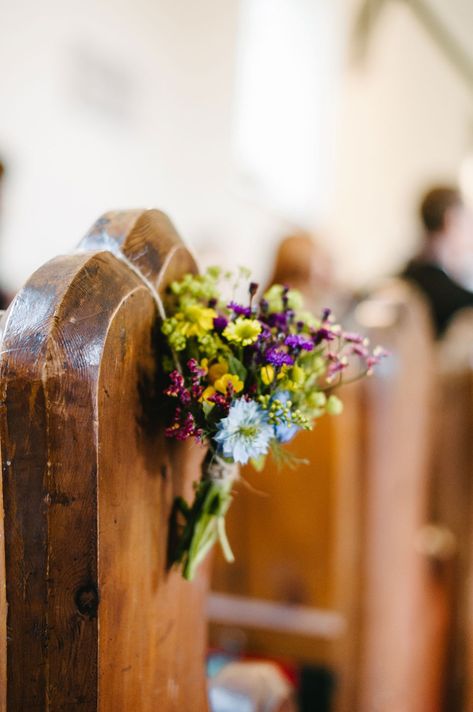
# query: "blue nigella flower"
{"points": [[284, 433], [245, 433]]}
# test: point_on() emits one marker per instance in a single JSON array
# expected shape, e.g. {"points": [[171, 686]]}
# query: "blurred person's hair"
{"points": [[302, 260], [293, 259], [435, 205]]}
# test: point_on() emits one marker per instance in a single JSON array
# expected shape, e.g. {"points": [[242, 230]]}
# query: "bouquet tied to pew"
{"points": [[243, 377]]}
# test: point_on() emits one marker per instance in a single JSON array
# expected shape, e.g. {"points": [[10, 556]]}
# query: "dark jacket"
{"points": [[445, 296]]}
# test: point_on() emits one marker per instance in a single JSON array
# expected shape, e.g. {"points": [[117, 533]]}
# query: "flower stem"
{"points": [[205, 523]]}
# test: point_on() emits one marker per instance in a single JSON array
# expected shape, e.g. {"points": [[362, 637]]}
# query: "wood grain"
{"points": [[297, 542], [95, 620], [403, 608], [452, 500]]}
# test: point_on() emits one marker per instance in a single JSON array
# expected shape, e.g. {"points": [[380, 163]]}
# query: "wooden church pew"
{"points": [[340, 535], [90, 617], [404, 597], [453, 498], [297, 545]]}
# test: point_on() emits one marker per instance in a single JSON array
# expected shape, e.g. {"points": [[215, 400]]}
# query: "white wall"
{"points": [[126, 103], [110, 104], [405, 121], [123, 103]]}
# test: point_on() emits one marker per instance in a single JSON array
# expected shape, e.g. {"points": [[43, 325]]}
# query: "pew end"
{"points": [[91, 617]]}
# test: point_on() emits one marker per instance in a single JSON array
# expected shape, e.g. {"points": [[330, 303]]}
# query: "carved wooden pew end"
{"points": [[91, 617]]}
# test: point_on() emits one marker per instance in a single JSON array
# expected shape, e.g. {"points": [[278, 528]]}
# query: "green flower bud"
{"points": [[334, 406]]}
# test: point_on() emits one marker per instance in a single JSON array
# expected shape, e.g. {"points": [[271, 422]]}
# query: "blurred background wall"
{"points": [[238, 118], [405, 121]]}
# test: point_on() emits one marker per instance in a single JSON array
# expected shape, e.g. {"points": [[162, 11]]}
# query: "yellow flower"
{"points": [[217, 370], [267, 374], [243, 331], [283, 372], [293, 377], [204, 364], [195, 320], [229, 378], [208, 393]]}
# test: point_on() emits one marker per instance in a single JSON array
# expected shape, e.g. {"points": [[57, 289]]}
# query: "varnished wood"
{"points": [[95, 621], [297, 543], [403, 609], [452, 501]]}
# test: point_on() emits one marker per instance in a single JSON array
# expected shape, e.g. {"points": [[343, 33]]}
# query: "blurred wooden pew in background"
{"points": [[340, 536], [452, 500], [404, 597], [287, 546]]}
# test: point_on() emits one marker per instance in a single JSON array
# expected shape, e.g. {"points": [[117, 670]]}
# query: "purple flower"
{"points": [[253, 288], [177, 389], [352, 337], [265, 333], [375, 358], [298, 341], [326, 313], [278, 357], [278, 319], [183, 426], [220, 400], [220, 322], [239, 309], [337, 364], [359, 350], [323, 334], [334, 368], [196, 391]]}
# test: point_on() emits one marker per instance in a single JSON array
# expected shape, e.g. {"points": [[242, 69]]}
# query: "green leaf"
{"points": [[207, 408], [236, 367]]}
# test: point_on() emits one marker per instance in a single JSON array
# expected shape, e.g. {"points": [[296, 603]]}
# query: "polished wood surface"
{"points": [[95, 620], [403, 604], [296, 542], [452, 502]]}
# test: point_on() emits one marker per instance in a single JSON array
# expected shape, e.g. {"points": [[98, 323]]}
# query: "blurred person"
{"points": [[303, 264], [448, 241]]}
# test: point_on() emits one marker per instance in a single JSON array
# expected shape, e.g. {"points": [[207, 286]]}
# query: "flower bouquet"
{"points": [[243, 377]]}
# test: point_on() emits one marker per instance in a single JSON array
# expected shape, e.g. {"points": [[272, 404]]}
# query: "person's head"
{"points": [[439, 207], [447, 223], [301, 261]]}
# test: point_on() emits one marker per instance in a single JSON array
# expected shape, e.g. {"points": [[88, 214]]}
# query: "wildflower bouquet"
{"points": [[244, 378]]}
